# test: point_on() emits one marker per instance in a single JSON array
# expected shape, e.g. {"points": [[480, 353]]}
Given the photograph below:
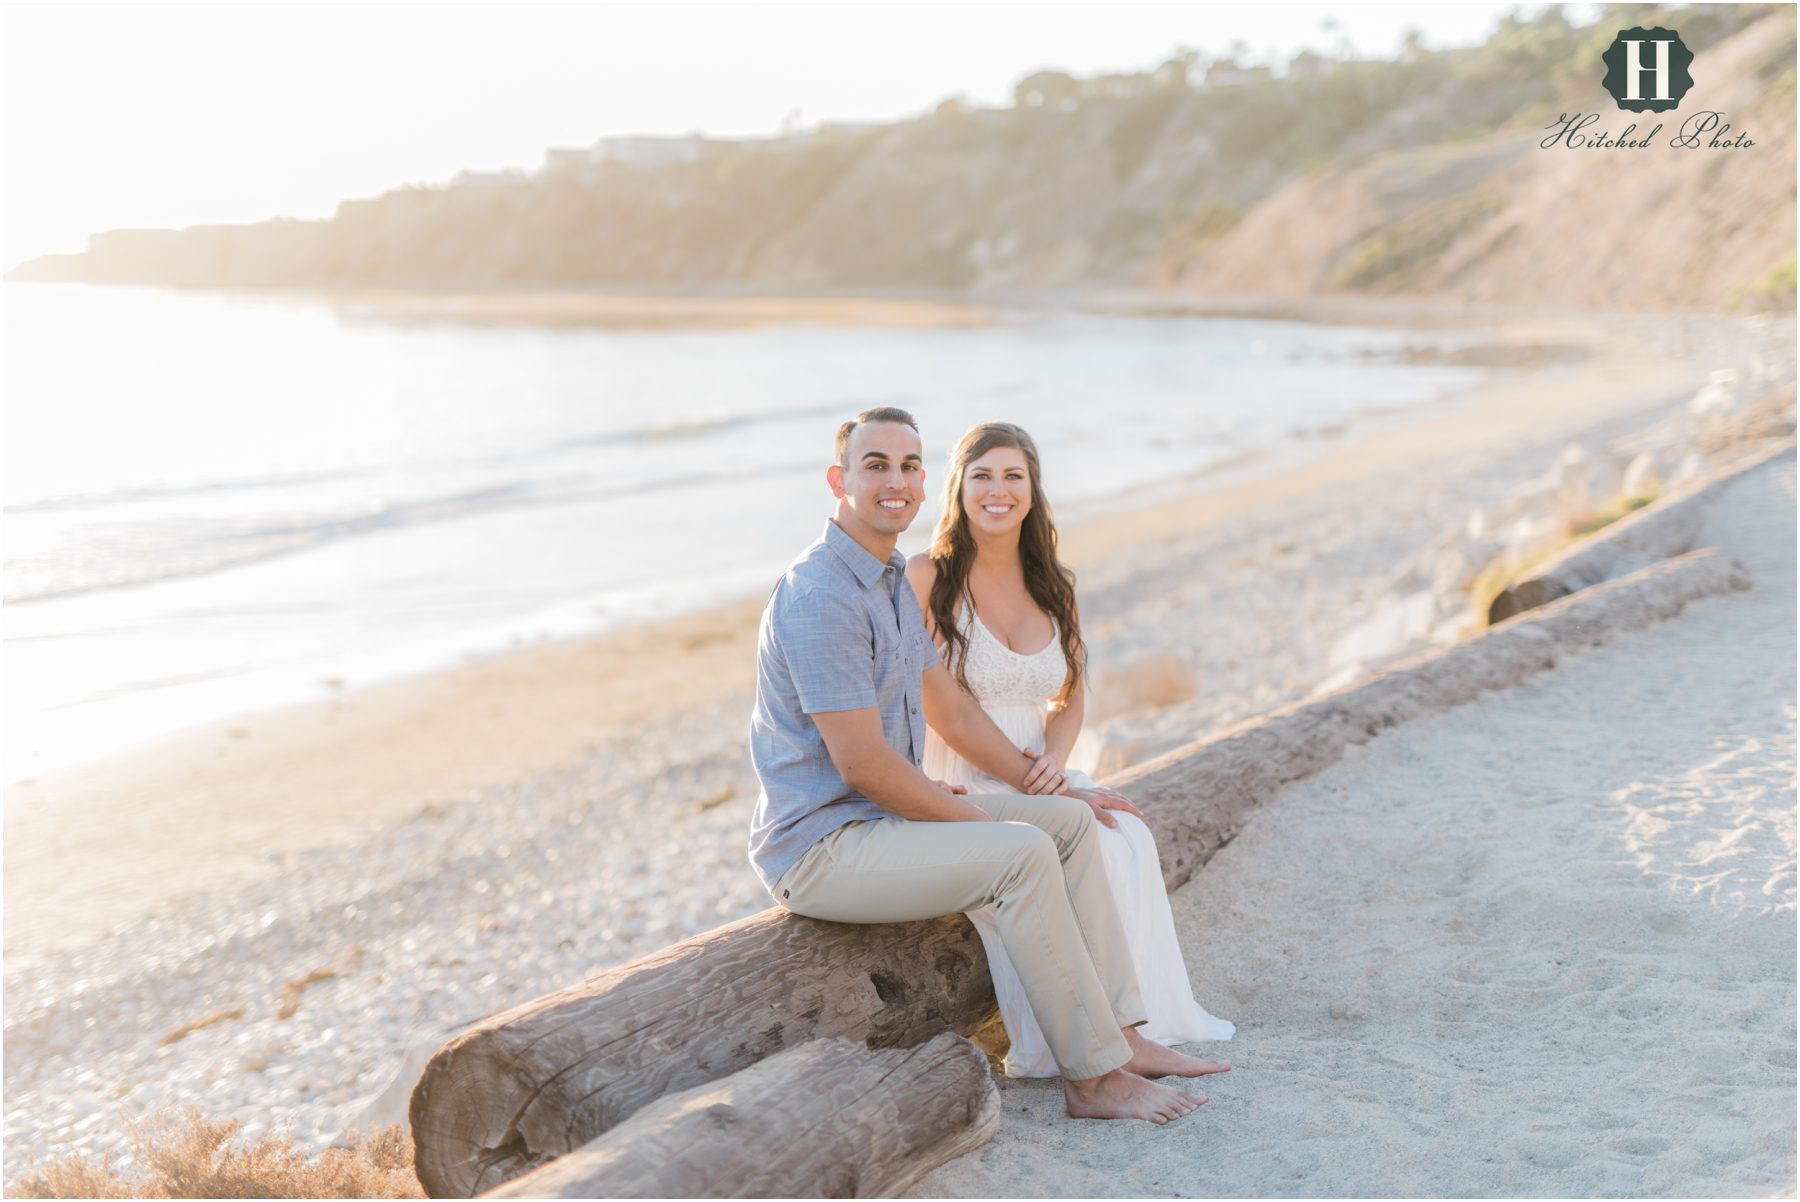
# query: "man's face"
{"points": [[881, 484]]}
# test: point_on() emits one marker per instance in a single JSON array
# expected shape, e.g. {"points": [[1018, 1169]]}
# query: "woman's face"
{"points": [[996, 491]]}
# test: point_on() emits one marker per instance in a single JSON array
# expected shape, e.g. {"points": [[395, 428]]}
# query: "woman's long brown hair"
{"points": [[1050, 584]]}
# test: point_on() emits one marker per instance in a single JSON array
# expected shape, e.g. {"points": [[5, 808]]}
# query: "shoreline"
{"points": [[57, 729], [674, 308], [322, 772]]}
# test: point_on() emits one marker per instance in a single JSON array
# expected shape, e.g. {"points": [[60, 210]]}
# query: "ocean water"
{"points": [[216, 504]]}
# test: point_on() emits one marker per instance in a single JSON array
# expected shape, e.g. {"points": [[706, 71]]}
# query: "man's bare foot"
{"points": [[1123, 1095], [1152, 1059]]}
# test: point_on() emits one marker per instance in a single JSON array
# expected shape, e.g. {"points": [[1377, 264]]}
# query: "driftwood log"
{"points": [[1199, 796], [828, 1119], [1661, 530], [538, 1081]]}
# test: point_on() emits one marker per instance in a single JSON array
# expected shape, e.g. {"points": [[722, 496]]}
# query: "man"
{"points": [[849, 829]]}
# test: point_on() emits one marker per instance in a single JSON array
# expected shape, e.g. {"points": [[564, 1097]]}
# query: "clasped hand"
{"points": [[1049, 776]]}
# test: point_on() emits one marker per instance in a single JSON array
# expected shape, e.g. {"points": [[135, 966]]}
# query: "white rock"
{"points": [[1718, 395], [1585, 481], [1452, 569], [1690, 468], [1393, 626], [1527, 536], [1641, 477]]}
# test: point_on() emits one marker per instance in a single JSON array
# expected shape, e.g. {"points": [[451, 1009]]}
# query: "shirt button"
{"points": [[915, 711]]}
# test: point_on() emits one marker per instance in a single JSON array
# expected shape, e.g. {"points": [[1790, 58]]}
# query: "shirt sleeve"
{"points": [[914, 617], [830, 651]]}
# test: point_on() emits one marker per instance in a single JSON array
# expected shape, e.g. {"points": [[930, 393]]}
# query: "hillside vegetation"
{"points": [[1419, 175]]}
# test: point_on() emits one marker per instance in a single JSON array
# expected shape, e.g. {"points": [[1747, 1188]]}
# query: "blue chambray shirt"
{"points": [[842, 631]]}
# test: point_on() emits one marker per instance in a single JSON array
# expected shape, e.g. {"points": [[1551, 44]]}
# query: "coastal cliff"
{"points": [[1425, 175]]}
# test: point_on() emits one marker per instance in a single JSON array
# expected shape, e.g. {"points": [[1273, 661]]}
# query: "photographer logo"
{"points": [[1647, 69]]}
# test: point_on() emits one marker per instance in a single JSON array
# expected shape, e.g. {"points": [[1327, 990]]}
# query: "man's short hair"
{"points": [[881, 413]]}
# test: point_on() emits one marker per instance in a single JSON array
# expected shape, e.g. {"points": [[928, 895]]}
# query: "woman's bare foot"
{"points": [[1152, 1059], [1123, 1095]]}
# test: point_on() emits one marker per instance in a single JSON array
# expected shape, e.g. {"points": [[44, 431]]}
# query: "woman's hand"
{"points": [[1047, 774], [1101, 799]]}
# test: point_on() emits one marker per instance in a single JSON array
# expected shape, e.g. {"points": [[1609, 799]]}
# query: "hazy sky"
{"points": [[172, 115]]}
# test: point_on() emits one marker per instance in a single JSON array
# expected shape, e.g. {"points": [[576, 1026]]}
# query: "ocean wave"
{"points": [[101, 556], [169, 491], [700, 426], [697, 426]]}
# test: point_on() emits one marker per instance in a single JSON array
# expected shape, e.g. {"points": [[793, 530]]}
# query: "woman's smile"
{"points": [[997, 490]]}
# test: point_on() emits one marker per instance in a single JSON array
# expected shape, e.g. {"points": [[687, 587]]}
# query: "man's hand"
{"points": [[1101, 800], [1046, 775], [963, 724], [960, 790]]}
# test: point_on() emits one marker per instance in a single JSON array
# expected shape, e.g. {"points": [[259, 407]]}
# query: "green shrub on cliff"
{"points": [[1394, 258]]}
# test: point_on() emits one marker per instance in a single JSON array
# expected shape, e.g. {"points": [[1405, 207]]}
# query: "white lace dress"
{"points": [[1014, 688]]}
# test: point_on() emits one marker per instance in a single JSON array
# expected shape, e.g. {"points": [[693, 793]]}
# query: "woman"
{"points": [[1002, 609]]}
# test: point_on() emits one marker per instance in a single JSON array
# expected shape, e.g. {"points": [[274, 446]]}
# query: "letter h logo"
{"points": [[1634, 69], [1657, 84]]}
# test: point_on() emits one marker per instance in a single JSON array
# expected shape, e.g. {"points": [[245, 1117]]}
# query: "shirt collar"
{"points": [[864, 566]]}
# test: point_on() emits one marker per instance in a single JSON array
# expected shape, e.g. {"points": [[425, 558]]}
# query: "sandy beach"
{"points": [[306, 895], [1539, 945]]}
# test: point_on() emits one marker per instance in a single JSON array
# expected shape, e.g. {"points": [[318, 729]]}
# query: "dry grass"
{"points": [[180, 1154], [1618, 508]]}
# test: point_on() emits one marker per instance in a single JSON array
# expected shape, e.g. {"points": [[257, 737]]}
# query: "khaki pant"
{"points": [[1038, 864]]}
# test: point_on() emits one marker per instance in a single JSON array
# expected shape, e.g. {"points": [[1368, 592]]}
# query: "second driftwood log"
{"points": [[828, 1119], [1669, 527]]}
